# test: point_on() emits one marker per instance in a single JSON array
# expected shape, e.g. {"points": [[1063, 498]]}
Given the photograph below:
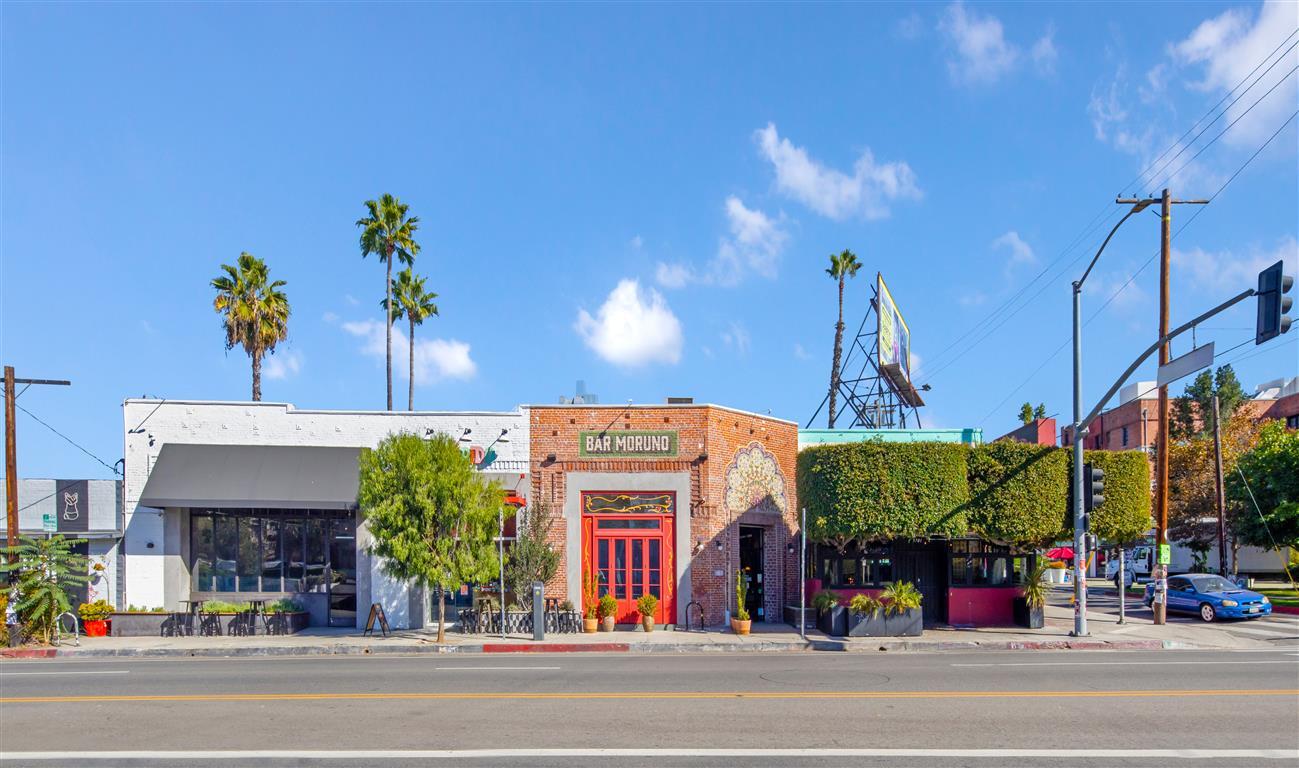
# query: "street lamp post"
{"points": [[1079, 430]]}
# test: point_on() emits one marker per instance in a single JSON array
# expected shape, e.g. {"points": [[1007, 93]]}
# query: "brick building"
{"points": [[671, 499], [1036, 432]]}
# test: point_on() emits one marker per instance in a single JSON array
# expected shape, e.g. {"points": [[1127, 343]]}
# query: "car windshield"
{"points": [[1213, 584]]}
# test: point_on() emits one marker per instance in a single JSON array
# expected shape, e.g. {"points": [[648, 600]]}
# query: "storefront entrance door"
{"points": [[630, 555]]}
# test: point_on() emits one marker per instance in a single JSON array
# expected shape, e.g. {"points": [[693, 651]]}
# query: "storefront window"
{"points": [[261, 550], [982, 564], [854, 567]]}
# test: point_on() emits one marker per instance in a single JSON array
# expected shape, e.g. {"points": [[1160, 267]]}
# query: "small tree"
{"points": [[46, 567], [532, 557], [1040, 411], [1271, 479], [1192, 482], [433, 521], [1026, 413]]}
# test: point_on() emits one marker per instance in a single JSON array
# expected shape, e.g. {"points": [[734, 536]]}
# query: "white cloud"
{"points": [[1106, 109], [736, 336], [831, 192], [1044, 54], [753, 246], [351, 300], [329, 317], [1017, 251], [1225, 272], [636, 243], [1229, 47], [632, 327], [282, 365], [982, 53], [435, 359], [800, 353], [909, 27], [1102, 287], [973, 298]]}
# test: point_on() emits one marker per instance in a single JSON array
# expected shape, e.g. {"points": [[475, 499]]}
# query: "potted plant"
{"points": [[866, 617], [94, 617], [591, 599], [902, 616], [646, 606], [741, 623], [831, 617], [608, 612], [1030, 606]]}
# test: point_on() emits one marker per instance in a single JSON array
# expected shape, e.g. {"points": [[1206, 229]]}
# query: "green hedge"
{"points": [[1018, 493], [1008, 492], [877, 490]]}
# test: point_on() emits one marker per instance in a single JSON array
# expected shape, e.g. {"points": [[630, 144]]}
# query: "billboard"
{"points": [[895, 337]]}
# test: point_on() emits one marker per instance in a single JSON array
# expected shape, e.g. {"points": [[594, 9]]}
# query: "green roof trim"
{"points": [[809, 437]]}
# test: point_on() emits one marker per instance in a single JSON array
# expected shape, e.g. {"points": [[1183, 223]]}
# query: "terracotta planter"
{"points": [[647, 623], [741, 627], [95, 628], [589, 626], [606, 624]]}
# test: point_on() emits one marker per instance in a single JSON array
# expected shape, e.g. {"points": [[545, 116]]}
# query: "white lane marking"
{"points": [[481, 669], [1108, 663], [465, 754], [87, 672]]}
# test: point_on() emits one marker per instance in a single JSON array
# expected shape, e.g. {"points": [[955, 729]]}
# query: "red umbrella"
{"points": [[1060, 553]]}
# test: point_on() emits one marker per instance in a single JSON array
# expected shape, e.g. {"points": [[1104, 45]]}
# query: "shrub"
{"points": [[647, 604], [824, 600], [901, 596], [566, 606], [1018, 493], [591, 595], [865, 605], [45, 567], [1124, 517], [222, 606], [741, 597], [608, 606], [877, 490], [286, 605], [96, 611]]}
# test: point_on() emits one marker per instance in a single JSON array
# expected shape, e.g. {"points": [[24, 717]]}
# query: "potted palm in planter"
{"points": [[902, 616], [94, 618], [646, 606], [831, 617], [1030, 606], [608, 612], [866, 617], [591, 599], [741, 624]]}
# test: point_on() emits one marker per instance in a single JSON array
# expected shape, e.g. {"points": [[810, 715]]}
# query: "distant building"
{"points": [[1036, 432], [581, 397]]}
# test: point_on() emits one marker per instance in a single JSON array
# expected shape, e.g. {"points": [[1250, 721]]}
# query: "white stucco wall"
{"points": [[155, 575]]}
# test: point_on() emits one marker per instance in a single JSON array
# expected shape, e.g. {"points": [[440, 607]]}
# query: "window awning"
{"points": [[267, 476]]}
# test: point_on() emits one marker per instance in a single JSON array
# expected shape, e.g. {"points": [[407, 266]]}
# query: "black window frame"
{"points": [[297, 520], [869, 564], [978, 565]]}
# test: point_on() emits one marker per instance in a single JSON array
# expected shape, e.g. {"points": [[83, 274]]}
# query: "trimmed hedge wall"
{"points": [[1006, 491], [877, 490], [1018, 492]]}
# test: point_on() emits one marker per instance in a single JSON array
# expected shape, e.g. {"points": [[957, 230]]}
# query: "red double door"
{"points": [[631, 556]]}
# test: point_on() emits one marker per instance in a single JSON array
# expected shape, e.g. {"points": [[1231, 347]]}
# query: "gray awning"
{"points": [[270, 476]]}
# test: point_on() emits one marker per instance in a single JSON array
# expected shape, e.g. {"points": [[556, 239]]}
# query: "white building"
{"points": [[232, 500]]}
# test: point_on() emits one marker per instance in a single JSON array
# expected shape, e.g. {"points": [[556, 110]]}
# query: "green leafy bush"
{"points": [[824, 600], [1036, 588], [566, 606], [96, 611], [901, 596], [1019, 493], [45, 567], [876, 490], [222, 606], [647, 604], [1124, 517], [286, 605], [864, 604], [608, 606]]}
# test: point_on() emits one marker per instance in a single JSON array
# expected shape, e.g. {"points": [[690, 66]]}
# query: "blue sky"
{"points": [[643, 197]]}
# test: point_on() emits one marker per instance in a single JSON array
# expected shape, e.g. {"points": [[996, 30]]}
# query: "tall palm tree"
{"points": [[842, 266], [255, 312], [410, 300], [388, 232]]}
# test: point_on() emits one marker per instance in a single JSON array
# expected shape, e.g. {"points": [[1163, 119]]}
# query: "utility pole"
{"points": [[1221, 502], [1160, 572], [11, 482]]}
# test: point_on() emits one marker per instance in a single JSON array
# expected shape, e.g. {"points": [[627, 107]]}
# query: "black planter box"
{"points": [[1034, 618], [886, 624], [833, 622]]}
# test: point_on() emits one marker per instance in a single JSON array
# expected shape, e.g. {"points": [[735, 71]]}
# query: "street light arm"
{"points": [[1137, 207], [1078, 428]]}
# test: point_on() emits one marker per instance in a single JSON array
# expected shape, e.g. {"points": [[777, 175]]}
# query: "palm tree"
{"points": [[255, 312], [842, 266], [411, 301], [387, 232]]}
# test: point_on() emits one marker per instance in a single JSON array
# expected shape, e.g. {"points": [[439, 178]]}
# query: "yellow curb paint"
{"points": [[589, 695]]}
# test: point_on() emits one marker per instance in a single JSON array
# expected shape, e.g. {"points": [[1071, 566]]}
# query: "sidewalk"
{"points": [[1106, 633]]}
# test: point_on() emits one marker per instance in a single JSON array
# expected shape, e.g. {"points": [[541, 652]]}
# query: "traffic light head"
{"points": [[1273, 304], [1093, 488]]}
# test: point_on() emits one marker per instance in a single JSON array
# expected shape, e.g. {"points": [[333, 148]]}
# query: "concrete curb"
{"points": [[384, 649]]}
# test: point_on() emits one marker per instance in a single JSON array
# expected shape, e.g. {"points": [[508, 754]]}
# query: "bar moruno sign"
{"points": [[628, 443]]}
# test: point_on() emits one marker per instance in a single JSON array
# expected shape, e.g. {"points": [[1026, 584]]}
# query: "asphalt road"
{"points": [[1028, 708], [1278, 628]]}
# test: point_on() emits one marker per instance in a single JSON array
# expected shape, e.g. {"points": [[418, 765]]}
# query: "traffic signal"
{"points": [[1273, 284], [1093, 490]]}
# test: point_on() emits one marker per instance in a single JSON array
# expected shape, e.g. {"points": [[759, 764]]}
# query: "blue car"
{"points": [[1211, 597]]}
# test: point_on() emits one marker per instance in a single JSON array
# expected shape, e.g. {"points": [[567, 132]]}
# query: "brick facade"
{"points": [[709, 440]]}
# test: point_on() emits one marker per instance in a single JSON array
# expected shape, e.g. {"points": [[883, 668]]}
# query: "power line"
{"points": [[70, 441]]}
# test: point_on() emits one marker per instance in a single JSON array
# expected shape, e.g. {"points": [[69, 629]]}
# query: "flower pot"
{"points": [[606, 624], [95, 628], [1033, 618], [741, 627], [589, 626], [647, 623], [833, 622]]}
